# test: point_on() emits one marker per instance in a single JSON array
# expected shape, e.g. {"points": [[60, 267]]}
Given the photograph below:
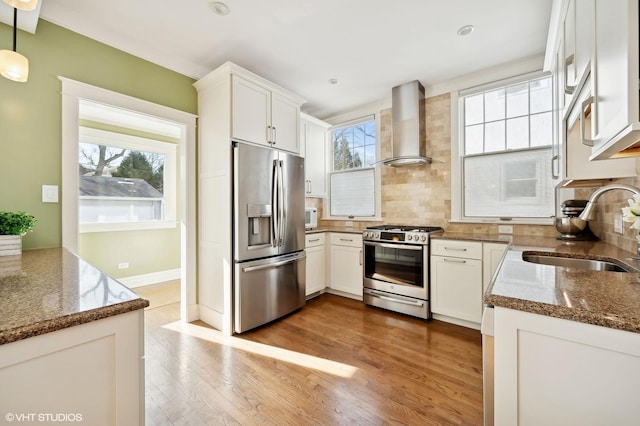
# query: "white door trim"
{"points": [[72, 92]]}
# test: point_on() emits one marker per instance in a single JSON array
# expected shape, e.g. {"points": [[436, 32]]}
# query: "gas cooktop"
{"points": [[405, 228], [401, 233]]}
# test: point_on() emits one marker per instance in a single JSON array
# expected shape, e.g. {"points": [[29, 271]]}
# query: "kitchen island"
{"points": [[566, 340], [71, 341]]}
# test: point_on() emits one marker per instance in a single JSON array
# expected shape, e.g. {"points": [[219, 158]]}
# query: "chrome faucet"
{"points": [[589, 211]]}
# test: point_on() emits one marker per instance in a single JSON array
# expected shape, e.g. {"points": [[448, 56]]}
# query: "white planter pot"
{"points": [[10, 245]]}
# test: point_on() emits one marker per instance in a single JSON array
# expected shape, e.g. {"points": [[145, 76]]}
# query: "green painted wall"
{"points": [[30, 118], [30, 139], [145, 251]]}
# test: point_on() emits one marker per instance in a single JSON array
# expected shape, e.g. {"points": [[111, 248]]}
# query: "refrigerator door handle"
{"points": [[274, 264], [281, 208], [275, 211]]}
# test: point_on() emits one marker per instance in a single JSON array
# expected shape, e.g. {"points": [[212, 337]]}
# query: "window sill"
{"points": [[85, 228], [353, 219]]}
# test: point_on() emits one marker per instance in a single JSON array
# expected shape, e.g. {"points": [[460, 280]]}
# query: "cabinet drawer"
{"points": [[455, 248], [314, 240], [350, 240]]}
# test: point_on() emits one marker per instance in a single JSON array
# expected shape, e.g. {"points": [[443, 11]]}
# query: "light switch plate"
{"points": [[49, 193], [617, 224]]}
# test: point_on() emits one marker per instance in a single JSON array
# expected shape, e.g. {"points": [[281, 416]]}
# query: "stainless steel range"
{"points": [[396, 268]]}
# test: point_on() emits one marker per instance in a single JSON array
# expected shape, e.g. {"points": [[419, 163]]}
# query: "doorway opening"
{"points": [[128, 202]]}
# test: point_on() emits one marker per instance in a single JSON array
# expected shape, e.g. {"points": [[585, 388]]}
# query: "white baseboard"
{"points": [[456, 321], [211, 317], [151, 278], [343, 293], [193, 313]]}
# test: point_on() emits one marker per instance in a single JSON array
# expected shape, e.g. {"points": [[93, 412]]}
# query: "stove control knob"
{"points": [[423, 238], [368, 234], [409, 237]]}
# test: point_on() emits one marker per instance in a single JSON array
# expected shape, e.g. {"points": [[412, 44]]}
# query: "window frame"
{"points": [[137, 143], [353, 120], [458, 152]]}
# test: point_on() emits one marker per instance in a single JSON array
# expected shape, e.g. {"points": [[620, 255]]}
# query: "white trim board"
{"points": [[151, 278]]}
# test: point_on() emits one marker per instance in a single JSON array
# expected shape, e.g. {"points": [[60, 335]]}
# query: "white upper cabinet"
{"points": [[578, 27], [263, 115], [313, 142], [285, 122], [251, 111], [616, 73], [576, 59]]}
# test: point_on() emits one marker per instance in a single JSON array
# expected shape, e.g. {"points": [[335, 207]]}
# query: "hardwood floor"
{"points": [[160, 294], [334, 362]]}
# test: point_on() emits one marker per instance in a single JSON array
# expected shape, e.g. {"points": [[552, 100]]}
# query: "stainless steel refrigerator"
{"points": [[268, 235]]}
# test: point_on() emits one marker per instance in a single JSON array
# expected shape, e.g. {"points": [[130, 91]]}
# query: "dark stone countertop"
{"points": [[608, 299], [342, 230], [45, 290]]}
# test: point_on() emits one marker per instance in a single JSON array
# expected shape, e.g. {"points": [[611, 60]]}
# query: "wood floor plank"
{"points": [[334, 362]]}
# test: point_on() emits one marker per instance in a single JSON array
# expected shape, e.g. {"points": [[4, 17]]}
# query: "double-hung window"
{"points": [[353, 177], [125, 182], [505, 150]]}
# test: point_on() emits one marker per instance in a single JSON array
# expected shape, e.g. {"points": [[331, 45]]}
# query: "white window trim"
{"points": [[119, 140], [457, 178], [358, 116]]}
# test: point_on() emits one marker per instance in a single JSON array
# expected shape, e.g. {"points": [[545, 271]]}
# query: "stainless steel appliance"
{"points": [[396, 268], [570, 226], [268, 235], [310, 217]]}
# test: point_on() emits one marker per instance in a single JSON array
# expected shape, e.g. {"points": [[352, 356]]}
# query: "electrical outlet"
{"points": [[505, 229], [123, 265], [349, 223], [617, 224]]}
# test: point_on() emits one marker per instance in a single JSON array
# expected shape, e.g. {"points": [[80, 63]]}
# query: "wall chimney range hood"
{"points": [[408, 122]]}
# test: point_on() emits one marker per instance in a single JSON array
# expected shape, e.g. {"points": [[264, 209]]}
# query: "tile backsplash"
{"points": [[421, 195], [609, 205]]}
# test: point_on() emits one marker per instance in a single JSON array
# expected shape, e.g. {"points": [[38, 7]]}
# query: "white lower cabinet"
{"points": [[316, 265], [91, 373], [551, 371], [492, 254], [460, 273], [345, 263]]}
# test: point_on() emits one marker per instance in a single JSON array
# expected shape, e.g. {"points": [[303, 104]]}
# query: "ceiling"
{"points": [[369, 46]]}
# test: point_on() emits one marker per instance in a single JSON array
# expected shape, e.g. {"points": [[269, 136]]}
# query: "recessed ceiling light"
{"points": [[465, 30], [333, 81], [220, 8]]}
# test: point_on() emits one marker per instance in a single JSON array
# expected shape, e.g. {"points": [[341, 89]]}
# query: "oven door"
{"points": [[396, 268]]}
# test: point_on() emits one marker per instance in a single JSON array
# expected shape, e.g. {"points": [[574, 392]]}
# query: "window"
{"points": [[505, 150], [124, 181], [353, 178]]}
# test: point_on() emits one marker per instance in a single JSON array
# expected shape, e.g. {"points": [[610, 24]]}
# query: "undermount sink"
{"points": [[572, 262]]}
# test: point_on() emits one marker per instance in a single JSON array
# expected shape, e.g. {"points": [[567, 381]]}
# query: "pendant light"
{"points": [[22, 4], [13, 65]]}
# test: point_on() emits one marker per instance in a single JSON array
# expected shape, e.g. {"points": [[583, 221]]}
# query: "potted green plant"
{"points": [[13, 225]]}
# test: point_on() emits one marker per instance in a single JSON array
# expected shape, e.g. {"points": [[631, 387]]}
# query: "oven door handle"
{"points": [[391, 299], [393, 246]]}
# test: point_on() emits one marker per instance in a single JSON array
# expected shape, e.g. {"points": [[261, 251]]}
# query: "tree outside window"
{"points": [[122, 179]]}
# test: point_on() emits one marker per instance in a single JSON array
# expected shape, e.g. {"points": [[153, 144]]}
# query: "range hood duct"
{"points": [[408, 121]]}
